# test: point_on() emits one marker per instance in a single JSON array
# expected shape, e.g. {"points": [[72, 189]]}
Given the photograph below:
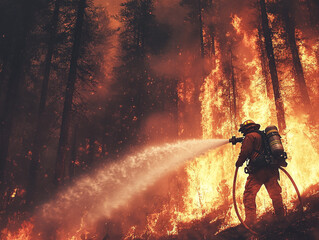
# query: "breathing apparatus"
{"points": [[274, 153], [276, 157], [274, 147]]}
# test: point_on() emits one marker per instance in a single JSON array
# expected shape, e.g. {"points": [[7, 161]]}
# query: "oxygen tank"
{"points": [[274, 141]]}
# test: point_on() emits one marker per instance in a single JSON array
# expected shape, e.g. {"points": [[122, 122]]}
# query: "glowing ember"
{"points": [[14, 193]]}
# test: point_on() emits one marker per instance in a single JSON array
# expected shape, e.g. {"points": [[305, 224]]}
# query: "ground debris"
{"points": [[297, 225]]}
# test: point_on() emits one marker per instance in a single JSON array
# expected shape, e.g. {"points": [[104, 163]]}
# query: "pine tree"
{"points": [[67, 109], [272, 66], [287, 12], [40, 128]]}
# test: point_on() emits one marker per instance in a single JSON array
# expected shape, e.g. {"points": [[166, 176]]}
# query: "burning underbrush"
{"points": [[132, 196], [298, 226], [184, 204]]}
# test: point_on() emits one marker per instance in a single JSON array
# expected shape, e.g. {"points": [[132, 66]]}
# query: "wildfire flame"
{"points": [[204, 173], [209, 178], [24, 232]]}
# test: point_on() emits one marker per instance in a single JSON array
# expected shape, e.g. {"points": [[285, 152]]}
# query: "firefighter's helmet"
{"points": [[248, 124]]}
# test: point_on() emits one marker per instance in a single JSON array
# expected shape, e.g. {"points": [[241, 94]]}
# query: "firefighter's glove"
{"points": [[239, 164]]}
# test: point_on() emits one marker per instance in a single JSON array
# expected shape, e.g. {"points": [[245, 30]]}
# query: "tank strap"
{"points": [[262, 148]]}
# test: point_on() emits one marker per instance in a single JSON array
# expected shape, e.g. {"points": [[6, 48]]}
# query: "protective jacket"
{"points": [[251, 147]]}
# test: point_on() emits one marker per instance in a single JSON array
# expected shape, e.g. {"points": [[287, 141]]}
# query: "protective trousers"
{"points": [[253, 184]]}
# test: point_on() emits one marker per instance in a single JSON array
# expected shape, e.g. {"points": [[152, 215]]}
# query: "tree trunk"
{"points": [[41, 126], [196, 130], [233, 94], [272, 67], [200, 23], [174, 105], [263, 60], [73, 152], [67, 109], [289, 21], [212, 50], [310, 12], [11, 99], [3, 75]]}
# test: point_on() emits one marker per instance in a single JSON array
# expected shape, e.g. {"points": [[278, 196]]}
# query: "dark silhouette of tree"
{"points": [[21, 25], [263, 60], [233, 93], [313, 7], [196, 18], [40, 128], [272, 66], [287, 13], [90, 44], [141, 38], [67, 109]]}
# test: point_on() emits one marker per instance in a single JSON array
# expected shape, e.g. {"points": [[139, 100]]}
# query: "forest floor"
{"points": [[297, 225]]}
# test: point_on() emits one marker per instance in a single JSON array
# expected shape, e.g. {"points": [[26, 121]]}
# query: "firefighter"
{"points": [[259, 173]]}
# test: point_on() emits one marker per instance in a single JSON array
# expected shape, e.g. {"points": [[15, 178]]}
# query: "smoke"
{"points": [[113, 7], [98, 195]]}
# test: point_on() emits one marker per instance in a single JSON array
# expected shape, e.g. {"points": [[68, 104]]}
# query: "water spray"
{"points": [[235, 140], [100, 193]]}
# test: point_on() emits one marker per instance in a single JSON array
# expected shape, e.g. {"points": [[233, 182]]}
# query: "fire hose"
{"points": [[235, 204]]}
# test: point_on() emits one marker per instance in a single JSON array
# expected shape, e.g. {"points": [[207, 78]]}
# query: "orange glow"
{"points": [[14, 193], [24, 233], [217, 168], [207, 180], [236, 23]]}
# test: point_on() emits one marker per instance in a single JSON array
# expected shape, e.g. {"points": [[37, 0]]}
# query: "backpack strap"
{"points": [[261, 156], [263, 147]]}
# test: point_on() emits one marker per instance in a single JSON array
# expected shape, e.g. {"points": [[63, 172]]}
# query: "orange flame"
{"points": [[202, 195], [24, 233], [209, 178]]}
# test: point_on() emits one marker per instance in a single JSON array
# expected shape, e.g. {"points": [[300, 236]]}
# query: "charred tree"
{"points": [[263, 60], [233, 93], [73, 152], [4, 71], [289, 24], [212, 50], [196, 14], [10, 103], [272, 66], [211, 32], [22, 25], [313, 7], [200, 26], [196, 122], [142, 37], [40, 127], [132, 74], [67, 109], [5, 48]]}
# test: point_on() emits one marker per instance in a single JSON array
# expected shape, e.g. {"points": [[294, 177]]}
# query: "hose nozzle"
{"points": [[235, 140]]}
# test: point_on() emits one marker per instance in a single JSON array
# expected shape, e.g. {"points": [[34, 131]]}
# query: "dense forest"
{"points": [[79, 93]]}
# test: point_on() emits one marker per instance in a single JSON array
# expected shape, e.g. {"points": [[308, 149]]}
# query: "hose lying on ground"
{"points": [[235, 204]]}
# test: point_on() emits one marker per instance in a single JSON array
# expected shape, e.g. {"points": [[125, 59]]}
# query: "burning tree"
{"points": [[177, 69]]}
